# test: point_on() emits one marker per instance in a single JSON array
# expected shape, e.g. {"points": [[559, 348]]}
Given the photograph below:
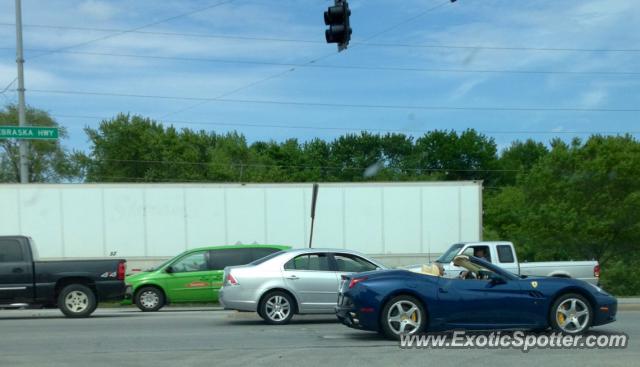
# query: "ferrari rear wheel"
{"points": [[571, 314], [403, 315]]}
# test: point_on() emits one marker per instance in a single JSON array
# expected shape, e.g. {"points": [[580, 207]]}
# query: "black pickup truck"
{"points": [[74, 286]]}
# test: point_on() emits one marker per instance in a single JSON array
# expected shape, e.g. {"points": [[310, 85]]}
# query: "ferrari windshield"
{"points": [[448, 256]]}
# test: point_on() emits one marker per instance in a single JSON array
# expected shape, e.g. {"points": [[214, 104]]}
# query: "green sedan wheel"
{"points": [[149, 299]]}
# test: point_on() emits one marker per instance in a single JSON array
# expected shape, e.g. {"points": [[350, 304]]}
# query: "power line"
{"points": [[225, 94], [310, 62], [124, 31], [8, 86], [310, 41], [340, 105], [345, 67], [359, 129]]}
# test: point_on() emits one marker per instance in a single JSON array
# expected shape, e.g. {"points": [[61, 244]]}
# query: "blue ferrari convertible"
{"points": [[483, 297]]}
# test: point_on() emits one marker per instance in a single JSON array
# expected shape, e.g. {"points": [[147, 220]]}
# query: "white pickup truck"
{"points": [[504, 255]]}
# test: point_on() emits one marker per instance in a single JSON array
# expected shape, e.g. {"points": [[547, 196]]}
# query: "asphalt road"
{"points": [[189, 337]]}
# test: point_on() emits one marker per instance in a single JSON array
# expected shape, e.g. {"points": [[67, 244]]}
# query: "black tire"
{"points": [[408, 317], [276, 308], [149, 299], [77, 300], [572, 319]]}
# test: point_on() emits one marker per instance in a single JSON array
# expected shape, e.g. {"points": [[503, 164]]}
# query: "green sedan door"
{"points": [[190, 279]]}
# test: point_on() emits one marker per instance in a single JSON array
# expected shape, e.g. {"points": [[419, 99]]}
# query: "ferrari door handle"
{"points": [[442, 290], [17, 270], [292, 277]]}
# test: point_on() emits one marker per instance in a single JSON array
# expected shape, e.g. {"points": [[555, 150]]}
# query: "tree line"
{"points": [[555, 201]]}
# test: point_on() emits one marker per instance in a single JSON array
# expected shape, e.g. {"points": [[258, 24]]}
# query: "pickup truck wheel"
{"points": [[149, 299], [571, 314], [77, 300]]}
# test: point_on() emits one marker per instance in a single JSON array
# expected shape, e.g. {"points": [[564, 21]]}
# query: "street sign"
{"points": [[28, 132]]}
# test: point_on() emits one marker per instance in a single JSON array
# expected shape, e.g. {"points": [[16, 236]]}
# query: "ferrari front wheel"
{"points": [[571, 314], [403, 315]]}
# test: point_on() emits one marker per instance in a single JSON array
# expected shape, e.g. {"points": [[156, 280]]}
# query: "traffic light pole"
{"points": [[24, 148]]}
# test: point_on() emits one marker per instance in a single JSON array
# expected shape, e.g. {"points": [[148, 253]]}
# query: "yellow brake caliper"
{"points": [[561, 318]]}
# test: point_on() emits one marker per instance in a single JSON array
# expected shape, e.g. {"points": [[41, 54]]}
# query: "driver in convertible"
{"points": [[479, 252]]}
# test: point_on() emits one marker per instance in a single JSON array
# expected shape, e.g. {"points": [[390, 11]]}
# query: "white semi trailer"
{"points": [[397, 222]]}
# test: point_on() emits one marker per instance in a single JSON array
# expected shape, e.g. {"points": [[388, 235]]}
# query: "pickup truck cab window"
{"points": [[11, 251], [505, 254], [448, 256], [482, 252]]}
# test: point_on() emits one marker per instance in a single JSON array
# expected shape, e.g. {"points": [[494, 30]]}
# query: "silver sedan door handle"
{"points": [[292, 277]]}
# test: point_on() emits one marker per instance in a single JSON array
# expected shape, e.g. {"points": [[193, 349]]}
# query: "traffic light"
{"points": [[337, 18]]}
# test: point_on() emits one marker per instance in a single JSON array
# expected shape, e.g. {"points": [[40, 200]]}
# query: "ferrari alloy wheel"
{"points": [[403, 315], [571, 314], [276, 308]]}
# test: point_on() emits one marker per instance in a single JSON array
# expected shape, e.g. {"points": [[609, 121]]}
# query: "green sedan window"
{"points": [[194, 262]]}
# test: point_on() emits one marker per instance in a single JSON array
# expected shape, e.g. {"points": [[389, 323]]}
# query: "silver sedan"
{"points": [[301, 281]]}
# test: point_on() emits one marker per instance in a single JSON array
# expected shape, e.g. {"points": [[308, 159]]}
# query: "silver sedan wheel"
{"points": [[277, 308], [404, 318], [76, 301], [572, 315], [149, 299]]}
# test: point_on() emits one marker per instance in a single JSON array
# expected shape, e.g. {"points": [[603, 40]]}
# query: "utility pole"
{"points": [[24, 147]]}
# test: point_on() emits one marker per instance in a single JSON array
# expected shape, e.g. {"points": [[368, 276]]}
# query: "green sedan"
{"points": [[193, 276]]}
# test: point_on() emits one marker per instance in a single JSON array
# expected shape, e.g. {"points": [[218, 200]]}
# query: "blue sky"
{"points": [[242, 61]]}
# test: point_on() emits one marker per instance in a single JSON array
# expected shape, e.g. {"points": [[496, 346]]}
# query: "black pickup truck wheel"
{"points": [[77, 300]]}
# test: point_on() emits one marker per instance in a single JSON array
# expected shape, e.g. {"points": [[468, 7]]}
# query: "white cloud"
{"points": [[465, 88], [100, 10], [33, 76], [593, 98]]}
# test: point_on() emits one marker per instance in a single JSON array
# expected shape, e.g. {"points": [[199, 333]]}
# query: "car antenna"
{"points": [[314, 198]]}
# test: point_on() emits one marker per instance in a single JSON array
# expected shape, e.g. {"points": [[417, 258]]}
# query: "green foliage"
{"points": [[579, 201], [48, 160], [519, 158], [620, 278], [133, 148], [468, 156]]}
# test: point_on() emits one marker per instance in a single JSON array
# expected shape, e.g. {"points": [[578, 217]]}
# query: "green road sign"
{"points": [[28, 132]]}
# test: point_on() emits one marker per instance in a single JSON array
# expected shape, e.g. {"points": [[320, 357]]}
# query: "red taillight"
{"points": [[355, 281], [596, 271], [231, 280], [122, 269]]}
